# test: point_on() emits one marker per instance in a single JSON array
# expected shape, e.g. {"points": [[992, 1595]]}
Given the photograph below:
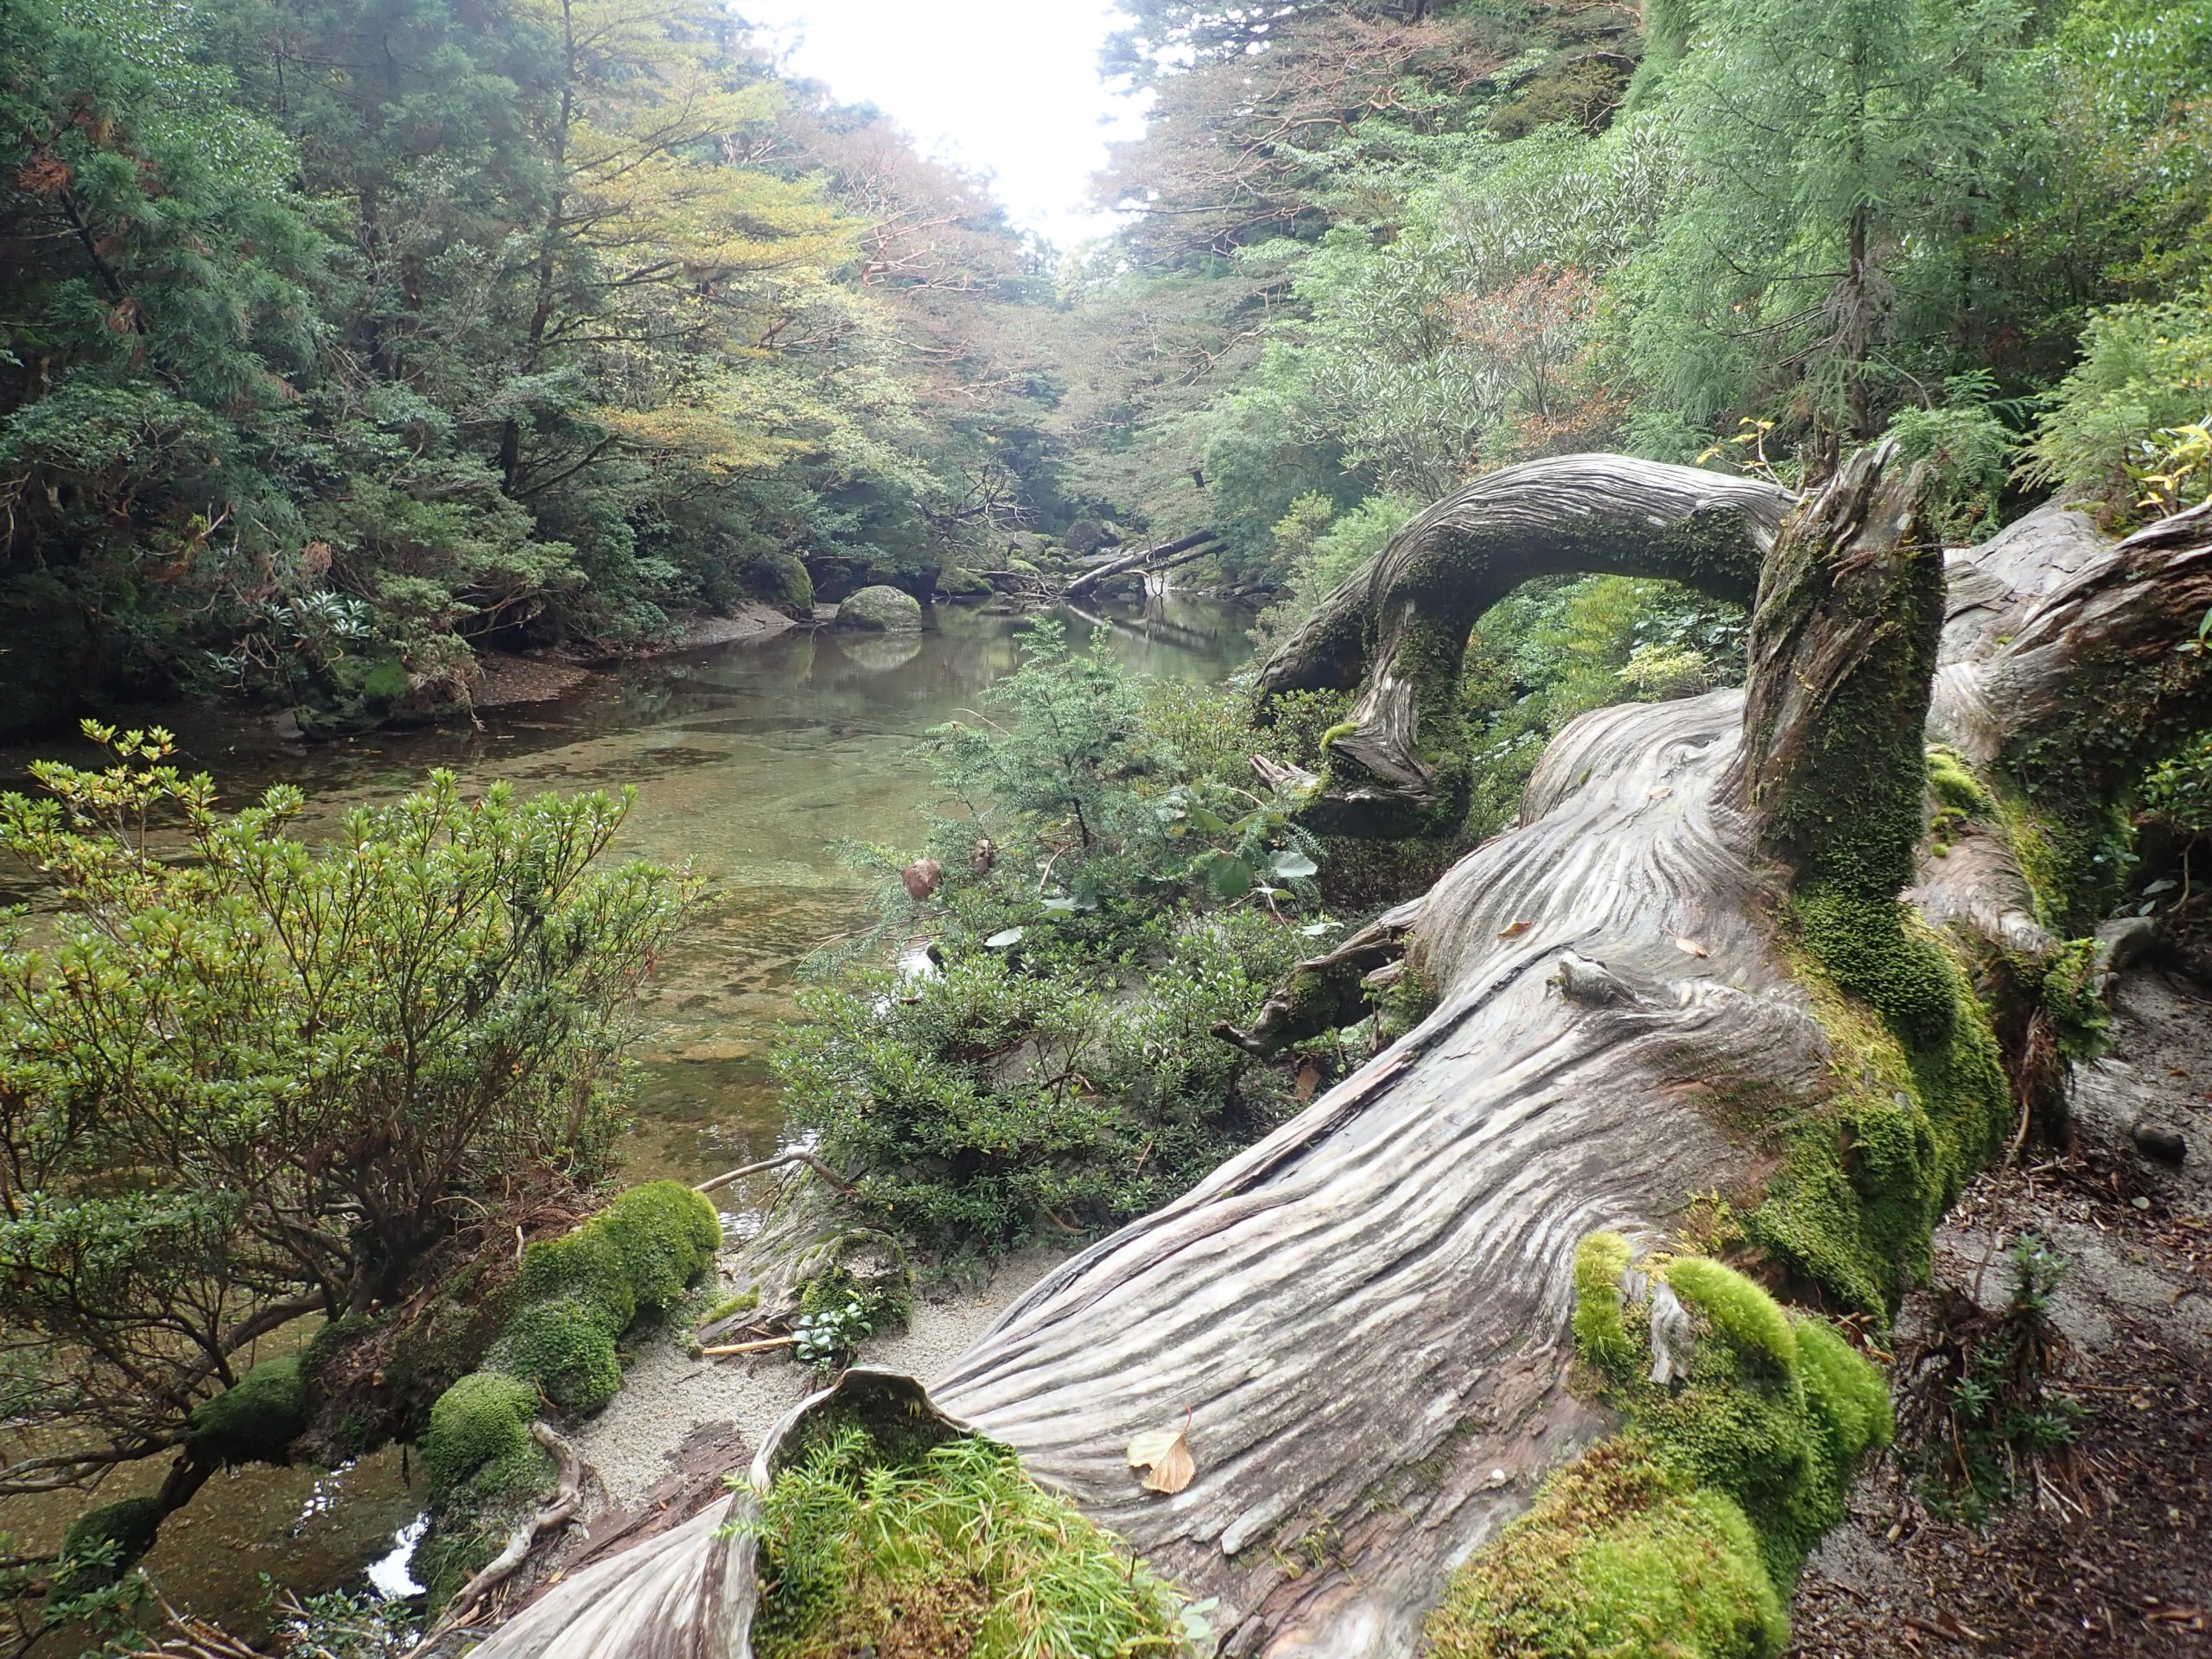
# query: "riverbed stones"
{"points": [[880, 610]]}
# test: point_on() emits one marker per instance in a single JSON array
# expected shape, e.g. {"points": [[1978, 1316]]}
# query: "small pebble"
{"points": [[2164, 1145]]}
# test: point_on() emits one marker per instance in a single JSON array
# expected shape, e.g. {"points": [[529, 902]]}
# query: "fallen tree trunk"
{"points": [[1362, 1319], [1163, 557]]}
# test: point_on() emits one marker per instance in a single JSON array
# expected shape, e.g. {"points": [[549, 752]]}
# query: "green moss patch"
{"points": [[103, 1543], [665, 1235], [482, 1419], [952, 1551], [1920, 1100], [562, 1349], [255, 1419], [1681, 1535], [1620, 1556], [579, 1292]]}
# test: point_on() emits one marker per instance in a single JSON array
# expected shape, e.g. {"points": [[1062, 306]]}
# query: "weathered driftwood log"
{"points": [[1166, 556], [1363, 1317], [690, 1592], [1397, 629]]}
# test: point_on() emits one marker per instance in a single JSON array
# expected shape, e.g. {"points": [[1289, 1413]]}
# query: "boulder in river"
{"points": [[880, 610]]}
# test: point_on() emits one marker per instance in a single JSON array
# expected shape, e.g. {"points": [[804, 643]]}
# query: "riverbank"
{"points": [[671, 1401], [512, 678]]}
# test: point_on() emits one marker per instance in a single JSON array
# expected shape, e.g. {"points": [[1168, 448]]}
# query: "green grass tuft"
{"points": [[955, 1551]]}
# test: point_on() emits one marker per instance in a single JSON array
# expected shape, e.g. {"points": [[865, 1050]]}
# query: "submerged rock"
{"points": [[880, 610], [963, 587]]}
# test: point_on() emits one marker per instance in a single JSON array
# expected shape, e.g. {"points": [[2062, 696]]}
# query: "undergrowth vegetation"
{"points": [[952, 1551], [1027, 1044]]}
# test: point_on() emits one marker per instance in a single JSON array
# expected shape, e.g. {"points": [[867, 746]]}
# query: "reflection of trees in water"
{"points": [[1164, 619]]}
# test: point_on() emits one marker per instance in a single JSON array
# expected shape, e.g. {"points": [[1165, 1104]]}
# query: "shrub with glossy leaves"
{"points": [[312, 1056]]}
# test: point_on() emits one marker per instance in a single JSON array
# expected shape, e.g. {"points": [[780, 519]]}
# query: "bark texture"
{"points": [[1364, 1316]]}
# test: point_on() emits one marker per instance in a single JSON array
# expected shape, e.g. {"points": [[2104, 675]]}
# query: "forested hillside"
{"points": [[343, 340], [346, 341]]}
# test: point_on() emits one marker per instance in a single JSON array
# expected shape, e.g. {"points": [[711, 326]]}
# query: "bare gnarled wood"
{"points": [[1398, 627], [1364, 1317]]}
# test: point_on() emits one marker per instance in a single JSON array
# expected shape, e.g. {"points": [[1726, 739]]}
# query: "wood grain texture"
{"points": [[1364, 1316]]}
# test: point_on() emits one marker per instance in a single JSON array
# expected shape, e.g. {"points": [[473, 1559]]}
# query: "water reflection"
{"points": [[749, 759]]}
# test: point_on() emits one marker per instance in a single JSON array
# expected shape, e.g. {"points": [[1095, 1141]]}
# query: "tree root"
{"points": [[566, 1498]]}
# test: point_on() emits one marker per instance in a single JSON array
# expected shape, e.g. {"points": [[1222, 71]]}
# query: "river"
{"points": [[748, 759]]}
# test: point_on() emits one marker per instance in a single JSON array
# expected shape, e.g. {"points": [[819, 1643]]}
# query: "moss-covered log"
{"points": [[1650, 989]]}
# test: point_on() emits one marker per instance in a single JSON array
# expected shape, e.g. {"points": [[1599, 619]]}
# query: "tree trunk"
{"points": [[1163, 557], [1364, 1317]]}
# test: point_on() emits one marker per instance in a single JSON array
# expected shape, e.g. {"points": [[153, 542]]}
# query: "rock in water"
{"points": [[880, 610]]}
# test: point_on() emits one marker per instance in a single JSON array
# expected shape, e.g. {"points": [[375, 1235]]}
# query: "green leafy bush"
{"points": [[2111, 425], [994, 1097], [1105, 897], [312, 1060], [1969, 446], [1995, 1380], [954, 1552]]}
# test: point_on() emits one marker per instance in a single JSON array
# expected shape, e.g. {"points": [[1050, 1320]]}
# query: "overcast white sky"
{"points": [[1009, 88]]}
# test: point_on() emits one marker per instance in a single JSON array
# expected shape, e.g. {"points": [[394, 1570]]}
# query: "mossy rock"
{"points": [[585, 1267], [561, 1348], [880, 610], [358, 693], [128, 1525], [781, 580], [483, 1418], [257, 1418], [962, 587]]}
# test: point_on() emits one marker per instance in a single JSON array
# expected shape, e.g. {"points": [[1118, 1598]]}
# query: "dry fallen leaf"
{"points": [[1690, 948], [1515, 929], [1309, 1080], [1165, 1454]]}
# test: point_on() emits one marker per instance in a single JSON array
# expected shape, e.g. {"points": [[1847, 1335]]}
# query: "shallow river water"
{"points": [[748, 759]]}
